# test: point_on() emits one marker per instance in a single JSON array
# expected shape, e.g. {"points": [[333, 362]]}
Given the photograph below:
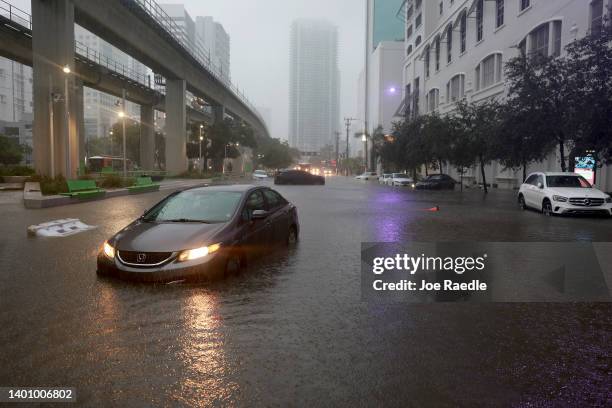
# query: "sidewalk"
{"points": [[33, 198]]}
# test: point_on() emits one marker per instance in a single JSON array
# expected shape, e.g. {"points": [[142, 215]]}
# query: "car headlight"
{"points": [[560, 199], [413, 185], [109, 251], [608, 199], [197, 253]]}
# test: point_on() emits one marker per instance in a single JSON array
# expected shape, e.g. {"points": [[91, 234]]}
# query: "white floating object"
{"points": [[59, 228]]}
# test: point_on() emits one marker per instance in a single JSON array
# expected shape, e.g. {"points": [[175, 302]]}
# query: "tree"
{"points": [[589, 77], [10, 151], [437, 137], [275, 154], [478, 125], [132, 139]]}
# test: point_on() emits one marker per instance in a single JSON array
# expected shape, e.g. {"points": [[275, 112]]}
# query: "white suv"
{"points": [[563, 193], [368, 175]]}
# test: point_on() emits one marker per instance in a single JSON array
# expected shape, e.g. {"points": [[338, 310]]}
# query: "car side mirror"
{"points": [[259, 215], [540, 186]]}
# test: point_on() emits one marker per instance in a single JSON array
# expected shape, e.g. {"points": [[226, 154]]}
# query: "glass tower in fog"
{"points": [[314, 112]]}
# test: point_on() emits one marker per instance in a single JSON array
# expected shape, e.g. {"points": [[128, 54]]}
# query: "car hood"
{"points": [[165, 237], [577, 192], [403, 180]]}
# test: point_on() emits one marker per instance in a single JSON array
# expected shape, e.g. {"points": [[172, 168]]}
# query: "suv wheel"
{"points": [[547, 208], [521, 202]]}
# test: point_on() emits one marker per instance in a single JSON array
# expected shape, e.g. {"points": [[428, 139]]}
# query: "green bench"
{"points": [[143, 185], [83, 189]]}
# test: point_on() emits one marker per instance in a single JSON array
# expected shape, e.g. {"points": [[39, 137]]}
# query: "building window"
{"points": [[556, 38], [539, 41], [408, 97], [441, 7], [427, 50], [477, 77], [437, 42], [479, 19], [455, 89], [540, 45], [409, 50], [449, 44], [499, 13], [418, 41], [417, 22], [488, 71], [418, 3], [409, 13], [596, 16], [463, 31], [524, 4], [433, 99], [409, 33]]}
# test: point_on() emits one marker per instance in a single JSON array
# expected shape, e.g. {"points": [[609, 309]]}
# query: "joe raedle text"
{"points": [[447, 273]]}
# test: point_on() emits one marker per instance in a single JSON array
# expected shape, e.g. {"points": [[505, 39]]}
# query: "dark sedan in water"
{"points": [[436, 182], [298, 177], [206, 232]]}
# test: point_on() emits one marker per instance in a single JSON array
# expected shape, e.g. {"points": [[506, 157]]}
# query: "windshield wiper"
{"points": [[186, 220]]}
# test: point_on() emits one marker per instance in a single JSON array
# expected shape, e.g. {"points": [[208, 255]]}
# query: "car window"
{"points": [[254, 202], [531, 179], [436, 177], [567, 181], [196, 205], [540, 180], [274, 199]]}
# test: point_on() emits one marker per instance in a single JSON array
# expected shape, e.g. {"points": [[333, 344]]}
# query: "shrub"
{"points": [[50, 186], [16, 171]]}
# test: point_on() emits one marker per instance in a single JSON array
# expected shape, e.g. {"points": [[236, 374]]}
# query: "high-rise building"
{"points": [[314, 105], [183, 25], [216, 41], [100, 108], [457, 49], [15, 90]]}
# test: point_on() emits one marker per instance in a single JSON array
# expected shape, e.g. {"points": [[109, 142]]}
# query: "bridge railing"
{"points": [[112, 65], [203, 57], [15, 14]]}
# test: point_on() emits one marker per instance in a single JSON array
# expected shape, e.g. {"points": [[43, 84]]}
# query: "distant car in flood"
{"points": [[436, 182], [368, 175], [260, 175], [298, 177]]}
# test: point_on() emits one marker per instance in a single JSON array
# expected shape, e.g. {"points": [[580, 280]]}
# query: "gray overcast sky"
{"points": [[259, 31]]}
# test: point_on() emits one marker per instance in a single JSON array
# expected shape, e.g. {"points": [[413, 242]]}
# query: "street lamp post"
{"points": [[122, 116], [201, 139], [68, 172], [364, 139]]}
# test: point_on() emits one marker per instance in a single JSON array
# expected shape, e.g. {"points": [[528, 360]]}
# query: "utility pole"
{"points": [[347, 121], [337, 149]]}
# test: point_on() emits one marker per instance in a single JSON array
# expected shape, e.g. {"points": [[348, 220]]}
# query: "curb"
{"points": [[34, 200]]}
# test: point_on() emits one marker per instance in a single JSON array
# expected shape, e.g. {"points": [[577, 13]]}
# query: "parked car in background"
{"points": [[260, 175], [368, 175], [384, 178], [562, 193], [436, 182], [299, 177], [401, 180], [202, 232]]}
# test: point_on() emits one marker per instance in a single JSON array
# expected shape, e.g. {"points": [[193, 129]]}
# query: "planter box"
{"points": [[15, 179]]}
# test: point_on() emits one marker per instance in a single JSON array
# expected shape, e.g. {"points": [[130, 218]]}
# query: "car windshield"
{"points": [[399, 175], [196, 206], [567, 181], [260, 172]]}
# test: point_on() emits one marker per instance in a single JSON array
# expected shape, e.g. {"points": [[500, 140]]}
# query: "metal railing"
{"points": [[170, 27], [96, 57], [15, 15]]}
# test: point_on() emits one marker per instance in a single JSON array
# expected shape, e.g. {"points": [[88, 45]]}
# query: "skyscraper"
{"points": [[314, 111], [216, 40]]}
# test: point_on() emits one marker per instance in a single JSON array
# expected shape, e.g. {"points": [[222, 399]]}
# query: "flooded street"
{"points": [[292, 329]]}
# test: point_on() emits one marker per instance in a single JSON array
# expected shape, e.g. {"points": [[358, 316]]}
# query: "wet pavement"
{"points": [[292, 330]]}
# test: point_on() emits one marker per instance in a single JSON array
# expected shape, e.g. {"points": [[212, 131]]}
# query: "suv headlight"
{"points": [[191, 254], [109, 251], [608, 199], [560, 199]]}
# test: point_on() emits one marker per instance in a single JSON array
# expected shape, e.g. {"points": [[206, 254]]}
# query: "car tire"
{"points": [[233, 265], [292, 236], [547, 208], [521, 202]]}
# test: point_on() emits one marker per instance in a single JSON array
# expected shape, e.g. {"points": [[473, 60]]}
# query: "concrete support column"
{"points": [[55, 139], [218, 113], [147, 137], [176, 125], [79, 115]]}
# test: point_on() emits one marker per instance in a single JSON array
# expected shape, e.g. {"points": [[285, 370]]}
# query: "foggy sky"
{"points": [[259, 32]]}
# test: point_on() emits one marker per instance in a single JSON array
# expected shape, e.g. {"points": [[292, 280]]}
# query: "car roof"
{"points": [[554, 173], [241, 188]]}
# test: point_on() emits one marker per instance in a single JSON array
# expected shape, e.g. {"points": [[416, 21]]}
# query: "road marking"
{"points": [[59, 228]]}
